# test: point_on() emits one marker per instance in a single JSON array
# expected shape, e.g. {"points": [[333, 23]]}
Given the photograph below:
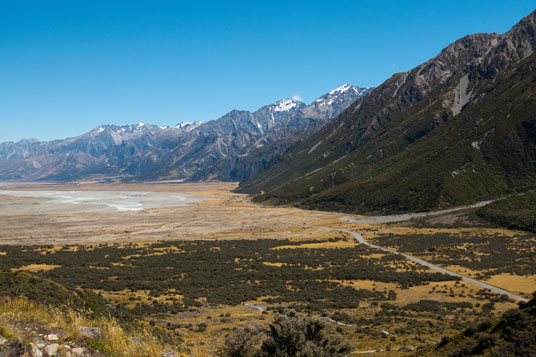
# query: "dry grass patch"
{"points": [[323, 245], [367, 284], [524, 285], [217, 321], [114, 341], [276, 264], [37, 267]]}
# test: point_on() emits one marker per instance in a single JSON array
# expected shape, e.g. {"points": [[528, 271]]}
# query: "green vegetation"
{"points": [[223, 272], [22, 312], [50, 293], [154, 286], [514, 334], [489, 254], [289, 335], [517, 212]]}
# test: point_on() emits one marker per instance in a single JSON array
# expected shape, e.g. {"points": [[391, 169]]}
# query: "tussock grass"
{"points": [[6, 331], [115, 340]]}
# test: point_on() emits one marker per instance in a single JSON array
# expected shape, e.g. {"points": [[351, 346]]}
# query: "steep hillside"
{"points": [[517, 212], [456, 129], [514, 334]]}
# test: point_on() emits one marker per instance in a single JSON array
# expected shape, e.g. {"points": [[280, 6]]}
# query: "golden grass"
{"points": [[375, 230], [46, 251], [205, 343], [276, 264], [323, 245], [38, 267], [114, 340], [6, 331], [367, 284], [524, 285]]}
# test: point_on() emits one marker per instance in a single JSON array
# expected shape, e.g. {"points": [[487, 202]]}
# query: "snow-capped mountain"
{"points": [[190, 150], [186, 126], [335, 101], [240, 142]]}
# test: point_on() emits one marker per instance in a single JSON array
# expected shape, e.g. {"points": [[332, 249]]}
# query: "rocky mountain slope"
{"points": [[456, 129], [191, 150]]}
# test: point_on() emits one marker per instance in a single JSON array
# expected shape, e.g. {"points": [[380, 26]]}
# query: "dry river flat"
{"points": [[50, 216], [212, 212], [120, 213]]}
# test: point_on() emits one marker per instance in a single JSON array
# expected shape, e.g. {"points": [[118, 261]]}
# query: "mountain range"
{"points": [[454, 130], [229, 148], [458, 128]]}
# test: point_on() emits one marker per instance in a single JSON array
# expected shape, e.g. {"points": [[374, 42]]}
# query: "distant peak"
{"points": [[285, 105], [188, 125], [344, 88]]}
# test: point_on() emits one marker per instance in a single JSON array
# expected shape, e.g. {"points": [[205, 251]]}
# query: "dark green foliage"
{"points": [[240, 343], [37, 289], [50, 293], [225, 272], [513, 335], [518, 212], [302, 336], [489, 253], [437, 306], [484, 342], [202, 327], [288, 336]]}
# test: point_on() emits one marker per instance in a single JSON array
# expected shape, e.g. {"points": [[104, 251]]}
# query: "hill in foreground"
{"points": [[514, 334]]}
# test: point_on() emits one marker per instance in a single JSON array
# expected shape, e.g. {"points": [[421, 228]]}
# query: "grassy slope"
{"points": [[424, 163], [514, 334], [27, 298], [513, 212]]}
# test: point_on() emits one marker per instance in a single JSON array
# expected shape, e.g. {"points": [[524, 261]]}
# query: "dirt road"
{"points": [[378, 219]]}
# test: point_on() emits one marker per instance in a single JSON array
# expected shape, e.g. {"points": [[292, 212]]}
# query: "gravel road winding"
{"points": [[398, 218]]}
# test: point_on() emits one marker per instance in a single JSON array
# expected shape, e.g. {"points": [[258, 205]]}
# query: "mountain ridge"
{"points": [[362, 160], [189, 150]]}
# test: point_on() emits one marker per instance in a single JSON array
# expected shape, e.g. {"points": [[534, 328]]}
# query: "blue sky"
{"points": [[69, 66]]}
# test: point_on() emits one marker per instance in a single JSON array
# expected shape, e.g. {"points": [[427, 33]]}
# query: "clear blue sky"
{"points": [[69, 66]]}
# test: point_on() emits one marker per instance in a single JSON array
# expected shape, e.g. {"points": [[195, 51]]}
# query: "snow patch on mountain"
{"points": [[344, 88], [285, 105], [188, 125]]}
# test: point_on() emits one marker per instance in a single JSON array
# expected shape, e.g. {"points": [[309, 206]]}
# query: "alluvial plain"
{"points": [[201, 270]]}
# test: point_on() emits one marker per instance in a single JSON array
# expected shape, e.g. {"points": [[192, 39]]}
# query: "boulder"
{"points": [[77, 351], [90, 332], [52, 337], [36, 352], [52, 350]]}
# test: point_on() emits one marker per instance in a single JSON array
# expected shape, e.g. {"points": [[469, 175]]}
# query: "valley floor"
{"points": [[201, 270]]}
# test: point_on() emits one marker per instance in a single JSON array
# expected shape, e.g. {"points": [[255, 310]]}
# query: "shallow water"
{"points": [[92, 201]]}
